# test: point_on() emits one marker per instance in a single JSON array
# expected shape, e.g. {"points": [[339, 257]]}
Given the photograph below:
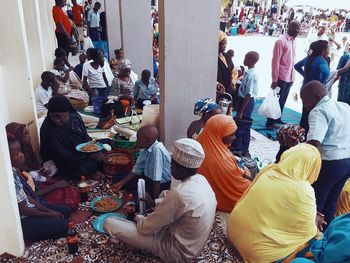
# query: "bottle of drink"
{"points": [[83, 189], [130, 208], [72, 239]]}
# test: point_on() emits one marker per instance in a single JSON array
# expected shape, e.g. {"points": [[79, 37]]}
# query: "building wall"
{"points": [[113, 26], [188, 61], [137, 34]]}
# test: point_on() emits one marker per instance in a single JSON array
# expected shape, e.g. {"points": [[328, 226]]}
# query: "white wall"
{"points": [[17, 90], [137, 33], [113, 26], [188, 61]]}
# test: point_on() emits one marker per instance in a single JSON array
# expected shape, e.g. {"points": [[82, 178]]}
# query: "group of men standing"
{"points": [[80, 16]]}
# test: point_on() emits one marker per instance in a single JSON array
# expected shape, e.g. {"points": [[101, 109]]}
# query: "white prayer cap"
{"points": [[188, 153]]}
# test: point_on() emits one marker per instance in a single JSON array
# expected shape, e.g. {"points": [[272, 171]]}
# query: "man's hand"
{"points": [[320, 222], [239, 115], [274, 85], [148, 200], [116, 187], [220, 88], [54, 214]]}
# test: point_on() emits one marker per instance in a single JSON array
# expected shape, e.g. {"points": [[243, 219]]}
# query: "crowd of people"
{"points": [[258, 20], [276, 216]]}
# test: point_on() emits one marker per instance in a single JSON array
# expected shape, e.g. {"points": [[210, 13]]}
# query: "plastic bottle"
{"points": [[72, 239], [83, 189], [130, 208]]}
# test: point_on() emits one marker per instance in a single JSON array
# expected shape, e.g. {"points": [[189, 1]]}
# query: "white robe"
{"points": [[178, 228]]}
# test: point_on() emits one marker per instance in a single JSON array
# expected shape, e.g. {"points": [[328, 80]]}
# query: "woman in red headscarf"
{"points": [[220, 166]]}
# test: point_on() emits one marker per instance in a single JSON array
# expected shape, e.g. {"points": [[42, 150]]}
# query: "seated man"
{"points": [[63, 129], [153, 164], [47, 89], [180, 225], [39, 221]]}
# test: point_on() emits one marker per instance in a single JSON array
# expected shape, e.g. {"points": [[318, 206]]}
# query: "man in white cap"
{"points": [[179, 227]]}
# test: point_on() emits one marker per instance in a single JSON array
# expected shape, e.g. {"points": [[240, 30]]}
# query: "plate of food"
{"points": [[105, 203], [99, 221], [89, 147]]}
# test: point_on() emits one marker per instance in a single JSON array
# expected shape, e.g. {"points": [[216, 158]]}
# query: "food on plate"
{"points": [[118, 159], [89, 148], [106, 204]]}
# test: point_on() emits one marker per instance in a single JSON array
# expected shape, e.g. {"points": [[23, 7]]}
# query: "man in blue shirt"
{"points": [[330, 133], [153, 164]]}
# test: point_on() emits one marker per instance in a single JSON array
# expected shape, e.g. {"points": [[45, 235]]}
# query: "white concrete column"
{"points": [[137, 33], [47, 29], [16, 95], [189, 33], [35, 38], [113, 26]]}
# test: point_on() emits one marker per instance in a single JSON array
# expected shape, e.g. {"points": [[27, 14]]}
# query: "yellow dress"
{"points": [[276, 215]]}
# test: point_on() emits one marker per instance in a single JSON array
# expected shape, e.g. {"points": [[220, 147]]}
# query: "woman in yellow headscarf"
{"points": [[275, 218], [343, 204], [220, 166]]}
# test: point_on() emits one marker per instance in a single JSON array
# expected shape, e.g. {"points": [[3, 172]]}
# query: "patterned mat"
{"points": [[96, 247]]}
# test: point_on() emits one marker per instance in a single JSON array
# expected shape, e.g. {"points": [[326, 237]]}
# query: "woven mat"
{"points": [[96, 247]]}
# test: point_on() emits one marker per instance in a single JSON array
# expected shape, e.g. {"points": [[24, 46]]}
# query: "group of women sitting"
{"points": [[273, 218]]}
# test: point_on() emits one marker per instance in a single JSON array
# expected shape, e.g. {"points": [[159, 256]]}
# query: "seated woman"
{"points": [[343, 204], [220, 166], [39, 220], [145, 88], [62, 130], [123, 86], [116, 62], [276, 217], [205, 108]]}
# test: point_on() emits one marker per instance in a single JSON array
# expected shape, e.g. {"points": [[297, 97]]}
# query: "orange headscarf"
{"points": [[220, 166]]}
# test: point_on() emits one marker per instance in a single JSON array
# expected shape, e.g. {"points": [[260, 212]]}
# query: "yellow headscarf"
{"points": [[277, 213], [343, 205]]}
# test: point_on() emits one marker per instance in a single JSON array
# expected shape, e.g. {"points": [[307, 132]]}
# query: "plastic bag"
{"points": [[270, 108]]}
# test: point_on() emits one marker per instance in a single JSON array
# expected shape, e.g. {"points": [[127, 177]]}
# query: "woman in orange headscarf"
{"points": [[220, 166]]}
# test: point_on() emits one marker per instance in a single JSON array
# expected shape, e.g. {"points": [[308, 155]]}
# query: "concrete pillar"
{"points": [[137, 33], [35, 39], [113, 26], [189, 32], [47, 29], [16, 95]]}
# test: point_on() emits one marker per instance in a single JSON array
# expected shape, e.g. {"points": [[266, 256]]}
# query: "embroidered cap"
{"points": [[188, 153]]}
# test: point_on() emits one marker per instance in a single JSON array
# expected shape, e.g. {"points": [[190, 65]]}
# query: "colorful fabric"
{"points": [[220, 166], [343, 204], [279, 208], [290, 135], [204, 106]]}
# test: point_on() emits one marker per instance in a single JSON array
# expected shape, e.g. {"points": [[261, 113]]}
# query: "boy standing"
{"points": [[246, 93]]}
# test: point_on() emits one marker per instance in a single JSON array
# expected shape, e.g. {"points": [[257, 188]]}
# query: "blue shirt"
{"points": [[329, 124], [154, 163], [249, 84], [141, 91], [319, 69]]}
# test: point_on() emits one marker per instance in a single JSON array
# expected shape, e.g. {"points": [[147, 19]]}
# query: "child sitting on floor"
{"points": [[39, 220], [246, 93], [153, 164]]}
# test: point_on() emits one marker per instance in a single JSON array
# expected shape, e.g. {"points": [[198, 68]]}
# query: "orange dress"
{"points": [[220, 166]]}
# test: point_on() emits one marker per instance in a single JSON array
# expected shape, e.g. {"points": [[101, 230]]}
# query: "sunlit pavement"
{"points": [[264, 46]]}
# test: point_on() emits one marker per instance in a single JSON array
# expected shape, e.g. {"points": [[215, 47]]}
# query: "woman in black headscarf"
{"points": [[62, 130]]}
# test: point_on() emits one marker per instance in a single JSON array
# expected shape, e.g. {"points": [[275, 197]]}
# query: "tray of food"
{"points": [[89, 147], [105, 203]]}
